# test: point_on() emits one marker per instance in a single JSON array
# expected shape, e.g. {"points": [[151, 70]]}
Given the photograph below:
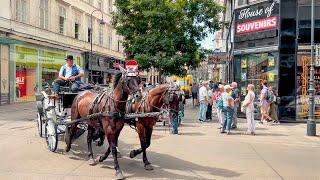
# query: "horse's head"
{"points": [[130, 82], [170, 96]]}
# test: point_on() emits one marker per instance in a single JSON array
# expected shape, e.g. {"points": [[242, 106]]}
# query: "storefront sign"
{"points": [[217, 58], [271, 77], [261, 24], [256, 18], [243, 63]]}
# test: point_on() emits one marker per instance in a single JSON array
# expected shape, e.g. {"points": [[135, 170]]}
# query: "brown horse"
{"points": [[114, 102], [152, 101]]}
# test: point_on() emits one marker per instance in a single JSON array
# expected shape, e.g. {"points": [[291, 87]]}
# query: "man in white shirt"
{"points": [[203, 93]]}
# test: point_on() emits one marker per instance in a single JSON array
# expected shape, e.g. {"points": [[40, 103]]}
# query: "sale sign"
{"points": [[258, 25], [21, 81]]}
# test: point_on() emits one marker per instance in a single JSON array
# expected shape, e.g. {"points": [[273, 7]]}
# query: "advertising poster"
{"points": [[21, 83], [271, 61], [243, 63], [243, 91], [271, 77], [243, 76]]}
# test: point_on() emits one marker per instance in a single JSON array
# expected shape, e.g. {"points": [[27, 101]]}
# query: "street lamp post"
{"points": [[101, 22], [311, 124]]}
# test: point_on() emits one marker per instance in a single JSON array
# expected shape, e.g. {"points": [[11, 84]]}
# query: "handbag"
{"points": [[220, 104]]}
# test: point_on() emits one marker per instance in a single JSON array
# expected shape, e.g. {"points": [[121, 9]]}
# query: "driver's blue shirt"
{"points": [[67, 71]]}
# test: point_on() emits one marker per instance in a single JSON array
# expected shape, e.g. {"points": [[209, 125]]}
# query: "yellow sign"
{"points": [[26, 56], [271, 61], [244, 63], [271, 77]]}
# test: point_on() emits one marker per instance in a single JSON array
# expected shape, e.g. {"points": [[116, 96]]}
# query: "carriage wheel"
{"points": [[51, 134], [39, 124]]}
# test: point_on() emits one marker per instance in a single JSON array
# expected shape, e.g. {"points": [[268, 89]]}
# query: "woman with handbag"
{"points": [[248, 107]]}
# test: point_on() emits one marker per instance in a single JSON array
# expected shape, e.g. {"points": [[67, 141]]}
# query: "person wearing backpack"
{"points": [[265, 102], [274, 105]]}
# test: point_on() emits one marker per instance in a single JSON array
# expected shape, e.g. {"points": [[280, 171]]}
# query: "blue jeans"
{"points": [[174, 122], [228, 114], [203, 110], [58, 82]]}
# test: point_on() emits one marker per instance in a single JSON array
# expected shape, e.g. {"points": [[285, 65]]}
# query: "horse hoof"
{"points": [[132, 154], [98, 159], [67, 149], [119, 176], [92, 162], [99, 143], [148, 167], [119, 155]]}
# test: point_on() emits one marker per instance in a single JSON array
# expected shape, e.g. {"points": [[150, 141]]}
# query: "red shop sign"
{"points": [[257, 25]]}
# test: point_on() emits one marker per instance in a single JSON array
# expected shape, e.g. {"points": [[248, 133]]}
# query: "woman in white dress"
{"points": [[249, 108]]}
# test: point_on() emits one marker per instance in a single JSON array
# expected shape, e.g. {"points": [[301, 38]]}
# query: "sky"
{"points": [[207, 43]]}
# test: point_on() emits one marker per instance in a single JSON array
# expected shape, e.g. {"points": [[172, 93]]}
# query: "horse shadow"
{"points": [[165, 166]]}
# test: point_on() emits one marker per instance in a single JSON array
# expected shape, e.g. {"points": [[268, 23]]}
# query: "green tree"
{"points": [[165, 33]]}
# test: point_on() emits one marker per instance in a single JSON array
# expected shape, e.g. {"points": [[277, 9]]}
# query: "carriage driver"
{"points": [[68, 72]]}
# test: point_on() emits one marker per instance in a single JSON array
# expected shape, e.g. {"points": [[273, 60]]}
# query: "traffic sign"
{"points": [[131, 64]]}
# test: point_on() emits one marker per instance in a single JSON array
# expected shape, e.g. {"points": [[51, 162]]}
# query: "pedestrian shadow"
{"points": [[191, 134], [168, 167], [270, 134]]}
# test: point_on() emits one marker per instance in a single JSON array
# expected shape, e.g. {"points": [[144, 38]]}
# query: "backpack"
{"points": [[269, 96], [278, 100]]}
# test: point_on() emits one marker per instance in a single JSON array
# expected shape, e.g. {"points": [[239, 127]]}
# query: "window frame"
{"points": [[62, 15], [44, 22], [21, 10]]}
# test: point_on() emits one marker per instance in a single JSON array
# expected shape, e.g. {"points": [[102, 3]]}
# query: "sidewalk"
{"points": [[19, 111], [198, 152]]}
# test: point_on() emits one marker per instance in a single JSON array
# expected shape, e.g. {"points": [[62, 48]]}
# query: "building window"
{"points": [[110, 39], [44, 13], [119, 46], [109, 6], [100, 5], [242, 2], [101, 29], [89, 29], [62, 19], [21, 10], [77, 26]]}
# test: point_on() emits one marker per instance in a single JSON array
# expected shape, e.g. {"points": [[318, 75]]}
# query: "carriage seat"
{"points": [[67, 98]]}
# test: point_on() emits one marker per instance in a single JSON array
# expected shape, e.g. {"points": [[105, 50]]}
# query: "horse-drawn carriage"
{"points": [[108, 110]]}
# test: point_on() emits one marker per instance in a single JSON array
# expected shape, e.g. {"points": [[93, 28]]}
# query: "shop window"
{"points": [[253, 68], [26, 60], [62, 19], [44, 13], [21, 10]]}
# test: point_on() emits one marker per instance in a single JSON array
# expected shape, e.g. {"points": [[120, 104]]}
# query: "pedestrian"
{"points": [[209, 107], [203, 93], [236, 97], [274, 106], [194, 91], [219, 110], [265, 95], [249, 108], [228, 105]]}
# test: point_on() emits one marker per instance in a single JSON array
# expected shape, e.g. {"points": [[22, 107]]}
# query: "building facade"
{"points": [[272, 42], [36, 36]]}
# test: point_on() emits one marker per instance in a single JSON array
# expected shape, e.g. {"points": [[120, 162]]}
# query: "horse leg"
{"points": [[101, 137], [147, 164], [89, 142], [106, 154], [70, 131], [112, 144], [141, 133]]}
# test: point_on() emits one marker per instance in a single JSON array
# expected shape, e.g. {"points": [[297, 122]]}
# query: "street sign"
{"points": [[217, 58], [131, 64], [317, 55]]}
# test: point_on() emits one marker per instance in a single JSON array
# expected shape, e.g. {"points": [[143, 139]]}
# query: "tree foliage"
{"points": [[165, 33]]}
